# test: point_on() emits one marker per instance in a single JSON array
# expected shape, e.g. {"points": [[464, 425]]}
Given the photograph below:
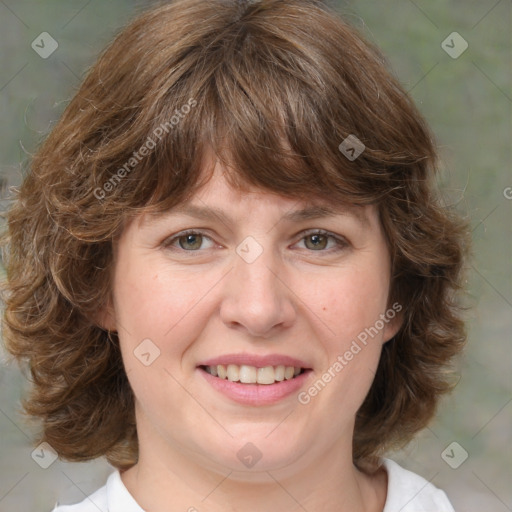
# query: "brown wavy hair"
{"points": [[272, 87]]}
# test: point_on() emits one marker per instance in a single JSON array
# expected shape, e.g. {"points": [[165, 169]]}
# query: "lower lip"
{"points": [[256, 394]]}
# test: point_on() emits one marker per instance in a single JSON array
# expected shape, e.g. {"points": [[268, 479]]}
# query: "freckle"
{"points": [[324, 308]]}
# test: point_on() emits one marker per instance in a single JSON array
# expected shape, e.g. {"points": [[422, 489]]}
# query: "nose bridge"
{"points": [[253, 269], [255, 297]]}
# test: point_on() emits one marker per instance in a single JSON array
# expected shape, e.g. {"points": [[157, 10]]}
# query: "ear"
{"points": [[105, 316], [394, 321]]}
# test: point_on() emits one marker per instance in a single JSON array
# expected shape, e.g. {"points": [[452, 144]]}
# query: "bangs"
{"points": [[265, 113]]}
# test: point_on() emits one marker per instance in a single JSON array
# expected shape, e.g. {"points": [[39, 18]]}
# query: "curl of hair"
{"points": [[272, 88]]}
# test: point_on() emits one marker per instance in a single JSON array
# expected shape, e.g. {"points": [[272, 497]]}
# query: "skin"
{"points": [[294, 299]]}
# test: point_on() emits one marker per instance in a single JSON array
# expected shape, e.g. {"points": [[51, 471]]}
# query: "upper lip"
{"points": [[255, 360]]}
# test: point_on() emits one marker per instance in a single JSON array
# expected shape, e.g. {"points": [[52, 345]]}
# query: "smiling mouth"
{"points": [[245, 374]]}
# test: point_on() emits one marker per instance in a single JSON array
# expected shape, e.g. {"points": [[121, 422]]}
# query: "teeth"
{"points": [[253, 375], [248, 374], [233, 372], [221, 371], [279, 373], [288, 372], [266, 375]]}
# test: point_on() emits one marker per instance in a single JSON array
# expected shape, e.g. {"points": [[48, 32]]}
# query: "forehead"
{"points": [[217, 199]]}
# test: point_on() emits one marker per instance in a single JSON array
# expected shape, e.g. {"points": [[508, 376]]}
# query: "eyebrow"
{"points": [[308, 213]]}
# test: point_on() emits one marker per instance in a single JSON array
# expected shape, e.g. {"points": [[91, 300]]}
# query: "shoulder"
{"points": [[409, 492], [96, 501], [112, 497]]}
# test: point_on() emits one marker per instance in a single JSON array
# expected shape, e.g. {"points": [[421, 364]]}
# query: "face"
{"points": [[254, 288]]}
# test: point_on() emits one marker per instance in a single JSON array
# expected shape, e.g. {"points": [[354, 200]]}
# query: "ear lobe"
{"points": [[393, 323], [391, 330], [105, 317]]}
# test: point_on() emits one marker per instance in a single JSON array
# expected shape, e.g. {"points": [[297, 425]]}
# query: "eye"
{"points": [[315, 240], [189, 240], [318, 240]]}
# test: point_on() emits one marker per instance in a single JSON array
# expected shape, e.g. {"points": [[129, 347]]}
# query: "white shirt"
{"points": [[407, 492]]}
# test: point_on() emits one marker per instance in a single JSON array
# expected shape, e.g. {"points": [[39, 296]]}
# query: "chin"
{"points": [[248, 456]]}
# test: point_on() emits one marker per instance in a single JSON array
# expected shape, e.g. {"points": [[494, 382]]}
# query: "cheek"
{"points": [[163, 306], [158, 317], [351, 308], [141, 305], [353, 300]]}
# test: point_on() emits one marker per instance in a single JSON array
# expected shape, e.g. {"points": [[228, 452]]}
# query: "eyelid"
{"points": [[340, 240]]}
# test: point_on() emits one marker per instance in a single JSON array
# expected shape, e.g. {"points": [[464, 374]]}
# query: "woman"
{"points": [[229, 272]]}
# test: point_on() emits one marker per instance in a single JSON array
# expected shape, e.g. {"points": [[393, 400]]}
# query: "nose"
{"points": [[257, 298]]}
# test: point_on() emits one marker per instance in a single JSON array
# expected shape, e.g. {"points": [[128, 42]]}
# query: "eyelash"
{"points": [[340, 242]]}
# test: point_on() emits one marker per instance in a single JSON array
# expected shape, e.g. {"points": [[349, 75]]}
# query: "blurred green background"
{"points": [[468, 102]]}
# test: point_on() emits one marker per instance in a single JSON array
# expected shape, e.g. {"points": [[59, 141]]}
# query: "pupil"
{"points": [[317, 240], [191, 241]]}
